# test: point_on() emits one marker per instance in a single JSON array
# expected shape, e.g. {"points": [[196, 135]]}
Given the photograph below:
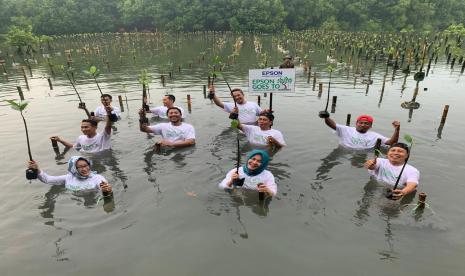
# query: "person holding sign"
{"points": [[254, 173], [248, 111], [360, 137], [390, 169], [287, 62], [262, 136], [161, 111], [174, 134], [91, 141]]}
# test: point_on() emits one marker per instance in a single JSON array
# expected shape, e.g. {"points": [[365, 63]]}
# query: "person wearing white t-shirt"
{"points": [[161, 111], [388, 170], [174, 134], [100, 112], [247, 111], [80, 177], [91, 141], [254, 173], [263, 136], [360, 137]]}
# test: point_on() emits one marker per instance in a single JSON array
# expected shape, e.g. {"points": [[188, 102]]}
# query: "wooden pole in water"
{"points": [[444, 114], [121, 106], [309, 76], [25, 78], [20, 92], [50, 83], [421, 200], [170, 74], [333, 104], [162, 77], [258, 100], [348, 119], [189, 106], [314, 81], [204, 91]]}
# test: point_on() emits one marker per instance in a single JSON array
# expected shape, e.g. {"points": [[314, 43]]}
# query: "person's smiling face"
{"points": [[83, 167], [397, 155], [255, 162]]}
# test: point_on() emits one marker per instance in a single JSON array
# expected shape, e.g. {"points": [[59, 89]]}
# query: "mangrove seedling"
{"points": [[82, 105], [144, 79], [325, 113], [239, 181], [30, 173], [94, 73]]}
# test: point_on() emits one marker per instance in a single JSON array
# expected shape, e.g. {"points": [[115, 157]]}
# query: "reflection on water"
{"points": [[357, 159]]}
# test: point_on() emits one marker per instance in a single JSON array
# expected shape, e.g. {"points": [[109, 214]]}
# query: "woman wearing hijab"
{"points": [[254, 173], [388, 170], [79, 177]]}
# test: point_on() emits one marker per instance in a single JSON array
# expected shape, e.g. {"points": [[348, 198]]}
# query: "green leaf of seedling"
{"points": [[330, 68], [408, 138], [234, 123], [93, 70], [17, 106], [378, 153]]}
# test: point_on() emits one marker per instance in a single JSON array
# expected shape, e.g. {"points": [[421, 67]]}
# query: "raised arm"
{"points": [[108, 109], [63, 142], [143, 122], [331, 123], [395, 136], [328, 121], [215, 99]]}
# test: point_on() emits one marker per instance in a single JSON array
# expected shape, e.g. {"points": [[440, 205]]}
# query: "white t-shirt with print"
{"points": [[73, 183], [160, 111], [250, 182], [351, 138], [386, 172], [100, 112], [174, 133], [248, 112], [99, 142], [259, 138]]}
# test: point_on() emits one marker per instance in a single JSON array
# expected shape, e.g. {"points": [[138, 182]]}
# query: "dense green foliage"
{"points": [[84, 16]]}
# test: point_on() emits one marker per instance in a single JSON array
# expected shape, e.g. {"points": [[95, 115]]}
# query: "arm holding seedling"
{"points": [[45, 178], [409, 188], [65, 143], [395, 136], [330, 122], [143, 122], [215, 99], [276, 143], [370, 164], [108, 109]]}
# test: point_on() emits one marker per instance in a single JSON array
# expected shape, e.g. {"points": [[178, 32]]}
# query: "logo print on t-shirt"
{"points": [[359, 141]]}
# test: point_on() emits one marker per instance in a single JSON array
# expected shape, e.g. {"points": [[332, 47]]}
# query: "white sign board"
{"points": [[271, 80]]}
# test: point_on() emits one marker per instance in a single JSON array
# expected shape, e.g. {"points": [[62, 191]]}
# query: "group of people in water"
{"points": [[256, 123]]}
